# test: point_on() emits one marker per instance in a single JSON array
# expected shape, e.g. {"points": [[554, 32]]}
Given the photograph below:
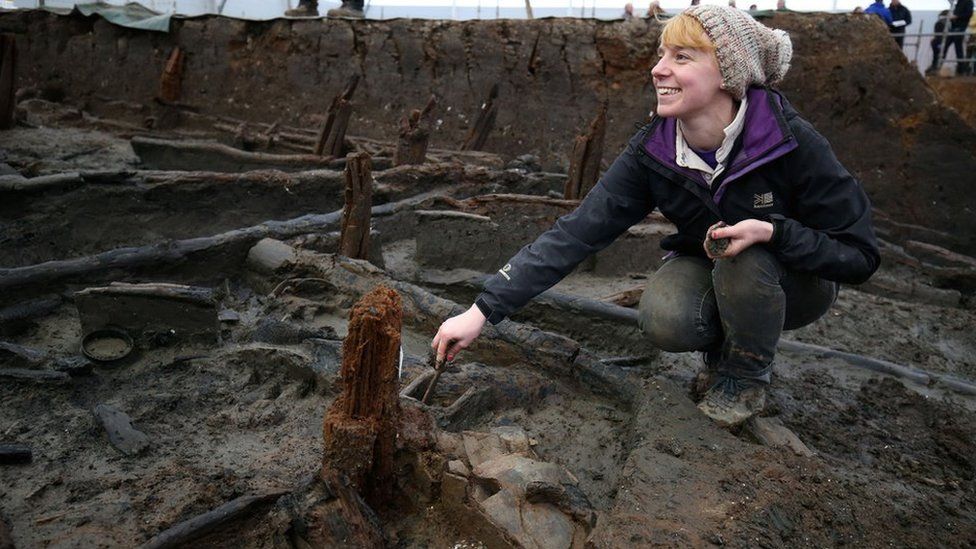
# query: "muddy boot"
{"points": [[306, 8], [731, 401], [705, 377], [349, 8]]}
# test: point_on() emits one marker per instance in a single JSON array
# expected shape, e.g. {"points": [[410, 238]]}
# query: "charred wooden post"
{"points": [[414, 136], [8, 60], [483, 124], [584, 166], [354, 235], [359, 430], [171, 83], [333, 134]]}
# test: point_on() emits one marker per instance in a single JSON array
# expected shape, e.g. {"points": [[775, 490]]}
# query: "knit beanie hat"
{"points": [[748, 52]]}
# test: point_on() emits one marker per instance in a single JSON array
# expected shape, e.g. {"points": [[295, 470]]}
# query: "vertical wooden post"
{"points": [[584, 164], [359, 430], [414, 136], [483, 125], [333, 133], [171, 83], [576, 160], [354, 236], [8, 62]]}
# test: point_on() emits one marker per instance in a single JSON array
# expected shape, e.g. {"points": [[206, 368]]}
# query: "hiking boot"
{"points": [[731, 401], [349, 8], [306, 8], [705, 377]]}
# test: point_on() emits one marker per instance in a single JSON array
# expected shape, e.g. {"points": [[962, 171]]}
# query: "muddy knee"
{"points": [[677, 310]]}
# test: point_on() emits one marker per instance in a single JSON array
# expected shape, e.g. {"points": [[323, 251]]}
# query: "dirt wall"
{"points": [[914, 156]]}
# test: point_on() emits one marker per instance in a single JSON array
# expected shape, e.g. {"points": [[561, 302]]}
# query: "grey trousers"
{"points": [[738, 306]]}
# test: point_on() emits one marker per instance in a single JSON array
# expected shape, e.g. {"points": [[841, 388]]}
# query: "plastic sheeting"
{"points": [[130, 15]]}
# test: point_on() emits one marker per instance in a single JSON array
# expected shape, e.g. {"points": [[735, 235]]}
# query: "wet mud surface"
{"points": [[566, 390]]}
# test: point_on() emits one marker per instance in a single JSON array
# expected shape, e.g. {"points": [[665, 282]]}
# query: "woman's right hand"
{"points": [[458, 332]]}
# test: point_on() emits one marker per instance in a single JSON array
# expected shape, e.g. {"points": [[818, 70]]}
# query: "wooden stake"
{"points": [[414, 136], [584, 165], [171, 83], [483, 124], [8, 60], [359, 430], [354, 237], [333, 134]]}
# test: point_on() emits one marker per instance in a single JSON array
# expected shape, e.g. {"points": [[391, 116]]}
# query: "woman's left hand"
{"points": [[741, 235]]}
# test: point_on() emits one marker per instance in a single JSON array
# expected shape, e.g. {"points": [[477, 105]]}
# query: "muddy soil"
{"points": [[892, 460]]}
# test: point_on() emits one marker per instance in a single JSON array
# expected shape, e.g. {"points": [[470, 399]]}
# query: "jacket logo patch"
{"points": [[504, 270], [764, 200]]}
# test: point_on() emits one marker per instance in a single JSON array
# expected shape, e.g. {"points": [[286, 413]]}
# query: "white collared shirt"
{"points": [[687, 158]]}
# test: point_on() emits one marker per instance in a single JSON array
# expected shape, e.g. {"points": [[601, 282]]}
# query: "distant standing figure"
{"points": [[970, 46], [958, 22], [901, 17], [879, 9], [858, 10], [655, 11], [694, 2], [753, 7], [781, 5], [628, 11], [731, 3], [936, 42]]}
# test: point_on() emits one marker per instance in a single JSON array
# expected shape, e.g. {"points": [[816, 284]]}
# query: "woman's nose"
{"points": [[660, 68]]}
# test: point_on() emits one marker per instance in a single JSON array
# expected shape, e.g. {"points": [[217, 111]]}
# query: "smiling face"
{"points": [[687, 77], [687, 81]]}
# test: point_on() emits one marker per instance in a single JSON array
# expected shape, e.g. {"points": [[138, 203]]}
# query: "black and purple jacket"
{"points": [[781, 170]]}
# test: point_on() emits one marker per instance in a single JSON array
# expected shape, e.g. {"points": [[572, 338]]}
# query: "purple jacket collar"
{"points": [[765, 137]]}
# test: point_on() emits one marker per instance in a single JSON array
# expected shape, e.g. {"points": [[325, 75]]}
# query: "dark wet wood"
{"points": [[201, 525], [484, 122], [14, 454], [331, 138], [171, 82], [17, 317], [354, 236], [414, 135], [584, 164], [124, 260], [8, 85], [359, 430], [40, 376], [166, 154]]}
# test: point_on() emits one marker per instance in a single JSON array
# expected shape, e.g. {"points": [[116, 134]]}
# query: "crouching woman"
{"points": [[768, 221]]}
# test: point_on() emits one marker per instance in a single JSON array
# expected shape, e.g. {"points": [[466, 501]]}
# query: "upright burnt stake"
{"points": [[171, 83], [483, 124], [333, 133], [8, 59], [414, 136], [359, 431], [584, 165], [354, 238]]}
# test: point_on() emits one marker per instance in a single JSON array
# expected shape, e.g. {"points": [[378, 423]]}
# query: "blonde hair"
{"points": [[684, 31]]}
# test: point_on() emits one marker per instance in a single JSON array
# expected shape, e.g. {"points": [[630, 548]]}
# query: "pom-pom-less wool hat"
{"points": [[748, 52]]}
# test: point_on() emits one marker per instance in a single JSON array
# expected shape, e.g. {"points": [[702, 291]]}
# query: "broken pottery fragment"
{"points": [[121, 433], [457, 467], [481, 447], [514, 439], [531, 525], [566, 496], [514, 473], [454, 489]]}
